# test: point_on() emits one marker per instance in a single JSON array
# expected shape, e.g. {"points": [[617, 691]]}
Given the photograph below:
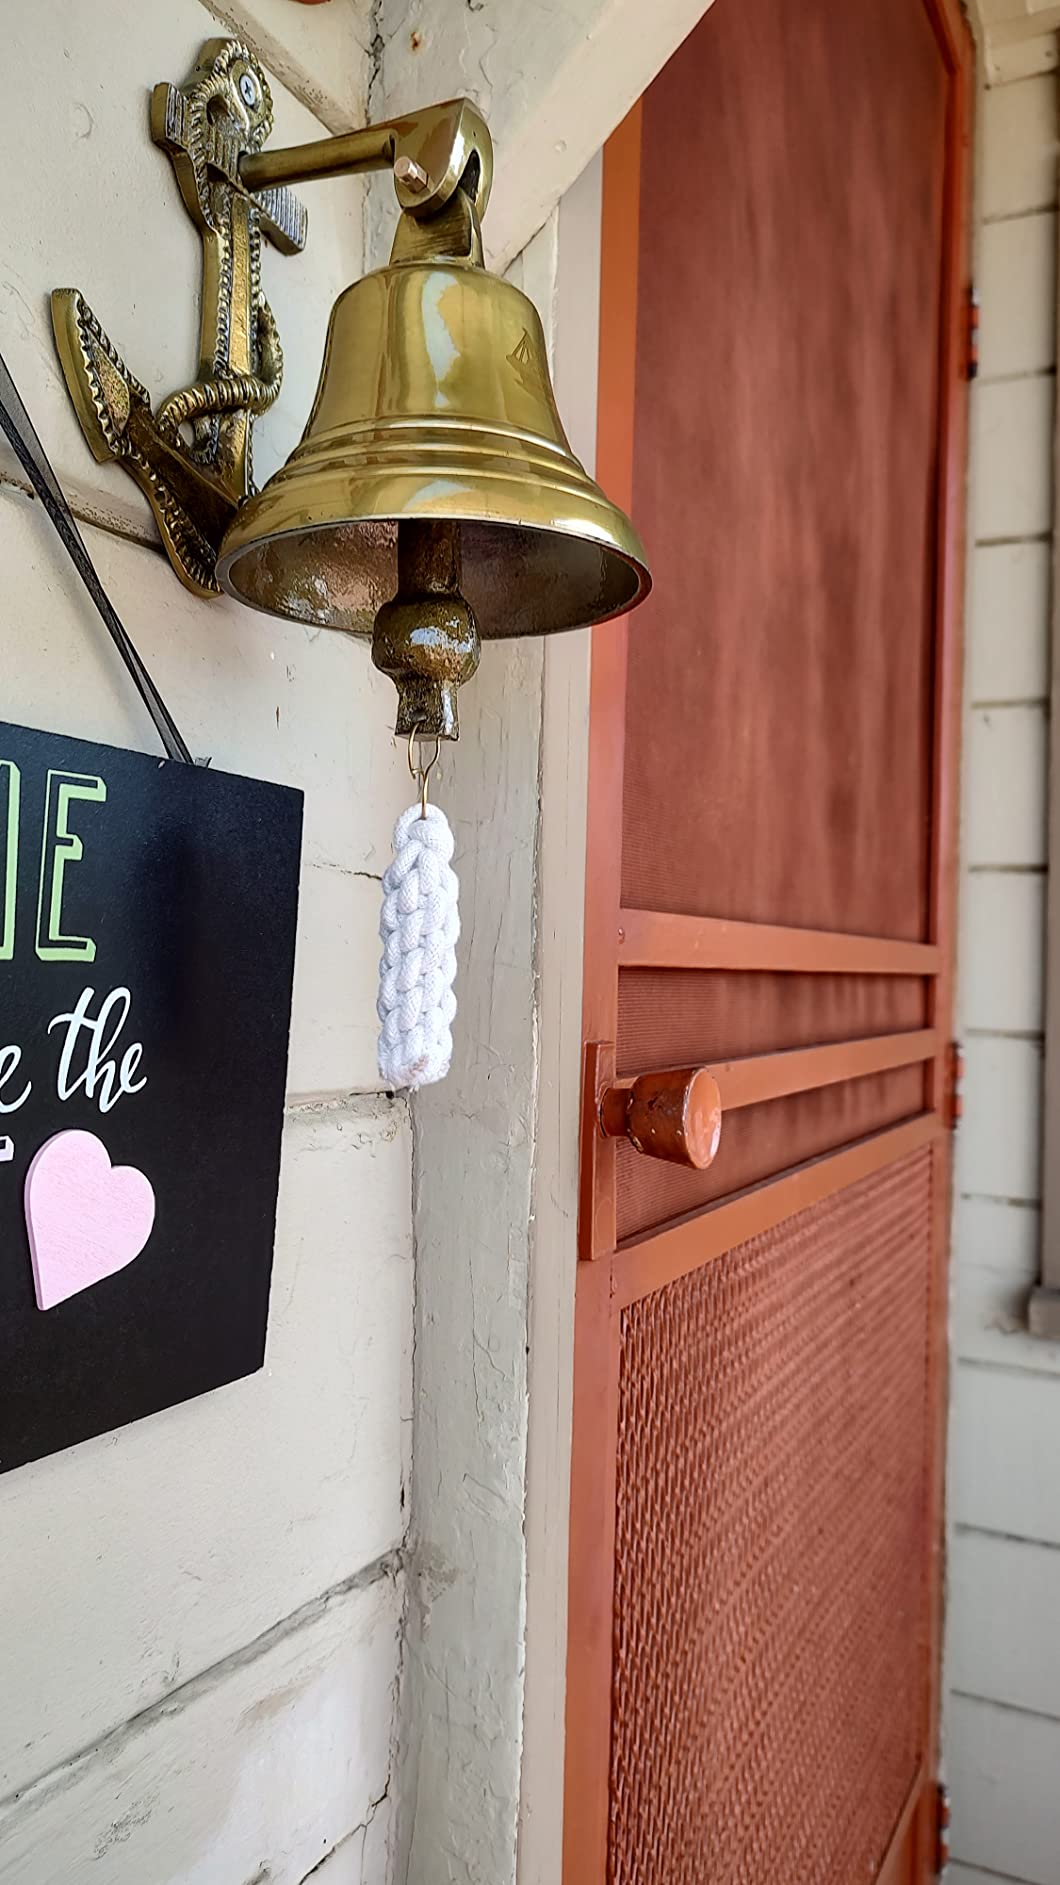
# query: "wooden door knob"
{"points": [[673, 1115]]}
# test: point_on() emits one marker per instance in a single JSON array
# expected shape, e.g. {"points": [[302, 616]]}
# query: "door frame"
{"points": [[609, 1281]]}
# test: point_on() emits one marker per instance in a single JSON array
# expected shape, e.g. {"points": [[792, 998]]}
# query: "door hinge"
{"points": [[953, 1103], [942, 1829], [971, 339]]}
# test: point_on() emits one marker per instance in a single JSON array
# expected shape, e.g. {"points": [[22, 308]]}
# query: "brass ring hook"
{"points": [[419, 771]]}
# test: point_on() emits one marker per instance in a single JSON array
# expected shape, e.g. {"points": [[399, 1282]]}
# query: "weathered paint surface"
{"points": [[254, 1771]]}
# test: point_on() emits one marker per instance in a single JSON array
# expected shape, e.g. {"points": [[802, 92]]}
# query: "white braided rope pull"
{"points": [[419, 927]]}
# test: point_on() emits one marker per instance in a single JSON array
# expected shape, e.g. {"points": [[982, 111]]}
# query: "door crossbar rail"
{"points": [[649, 1261], [656, 939]]}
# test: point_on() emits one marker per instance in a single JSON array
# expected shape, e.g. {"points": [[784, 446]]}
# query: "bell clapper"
{"points": [[426, 638]]}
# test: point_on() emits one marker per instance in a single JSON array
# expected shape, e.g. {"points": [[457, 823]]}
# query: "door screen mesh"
{"points": [[771, 1550], [778, 739]]}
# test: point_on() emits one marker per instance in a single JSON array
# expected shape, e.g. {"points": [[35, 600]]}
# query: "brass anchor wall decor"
{"points": [[193, 457], [434, 500]]}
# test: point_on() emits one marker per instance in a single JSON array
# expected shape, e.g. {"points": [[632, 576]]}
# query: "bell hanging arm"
{"points": [[431, 153]]}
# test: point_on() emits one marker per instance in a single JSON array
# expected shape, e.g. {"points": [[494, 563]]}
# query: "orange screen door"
{"points": [[759, 1353]]}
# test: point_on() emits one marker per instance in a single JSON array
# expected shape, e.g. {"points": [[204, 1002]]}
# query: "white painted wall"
{"points": [[199, 1634], [1002, 1743]]}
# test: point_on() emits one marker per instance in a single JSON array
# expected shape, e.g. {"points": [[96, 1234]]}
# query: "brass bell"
{"points": [[434, 469], [434, 499]]}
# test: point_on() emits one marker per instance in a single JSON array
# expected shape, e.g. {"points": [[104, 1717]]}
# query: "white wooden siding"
{"points": [[1006, 1802], [1014, 445], [996, 1248], [1019, 148], [1002, 971], [1017, 278], [1002, 1739], [995, 1583], [253, 1773], [971, 1875], [998, 1150], [1008, 657], [1005, 794], [1006, 1475]]}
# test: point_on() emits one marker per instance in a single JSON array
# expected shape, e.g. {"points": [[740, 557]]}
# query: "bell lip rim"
{"points": [[226, 558], [639, 565]]}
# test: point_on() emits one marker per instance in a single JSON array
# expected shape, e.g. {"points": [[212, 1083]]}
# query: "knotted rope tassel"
{"points": [[419, 927]]}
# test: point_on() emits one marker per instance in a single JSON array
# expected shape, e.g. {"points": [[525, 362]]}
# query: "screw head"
{"points": [[411, 174], [248, 89]]}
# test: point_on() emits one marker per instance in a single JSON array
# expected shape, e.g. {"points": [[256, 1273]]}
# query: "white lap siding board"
{"points": [[1002, 1741], [199, 1635]]}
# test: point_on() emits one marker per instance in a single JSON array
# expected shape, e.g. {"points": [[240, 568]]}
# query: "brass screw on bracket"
{"points": [[411, 174]]}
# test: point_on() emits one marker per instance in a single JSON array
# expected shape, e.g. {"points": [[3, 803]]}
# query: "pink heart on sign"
{"points": [[86, 1217]]}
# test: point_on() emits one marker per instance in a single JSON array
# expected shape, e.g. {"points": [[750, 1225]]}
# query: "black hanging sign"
{"points": [[147, 925]]}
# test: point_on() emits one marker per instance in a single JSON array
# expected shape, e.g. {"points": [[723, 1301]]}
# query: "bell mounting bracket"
{"points": [[193, 455]]}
